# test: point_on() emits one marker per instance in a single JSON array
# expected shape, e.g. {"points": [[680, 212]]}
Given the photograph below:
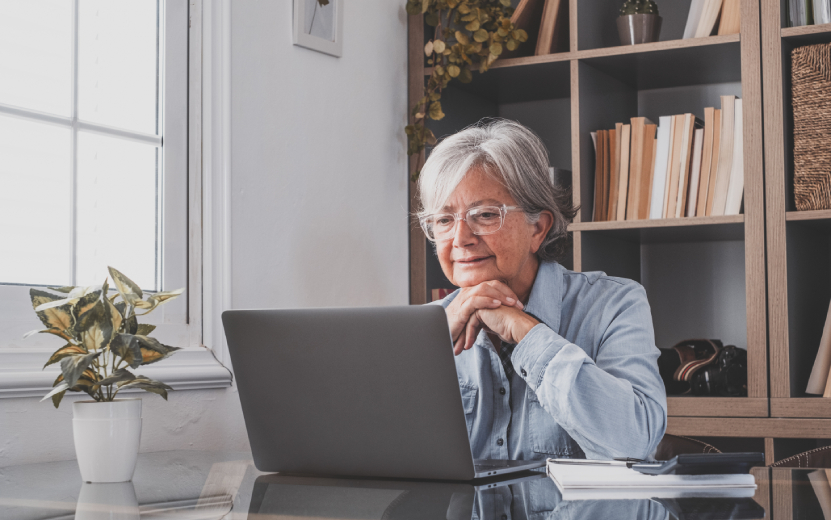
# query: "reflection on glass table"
{"points": [[197, 485]]}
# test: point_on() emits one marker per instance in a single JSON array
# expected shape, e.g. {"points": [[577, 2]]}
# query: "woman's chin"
{"points": [[470, 279]]}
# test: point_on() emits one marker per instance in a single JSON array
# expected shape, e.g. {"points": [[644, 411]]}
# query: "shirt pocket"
{"points": [[469, 395], [546, 435]]}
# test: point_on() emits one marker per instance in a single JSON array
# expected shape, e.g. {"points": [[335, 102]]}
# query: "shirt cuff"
{"points": [[534, 352]]}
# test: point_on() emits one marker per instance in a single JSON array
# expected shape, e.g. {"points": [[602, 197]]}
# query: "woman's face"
{"points": [[507, 255]]}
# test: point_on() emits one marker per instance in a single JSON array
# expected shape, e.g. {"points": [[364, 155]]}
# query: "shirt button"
{"points": [[502, 391], [500, 442], [523, 372]]}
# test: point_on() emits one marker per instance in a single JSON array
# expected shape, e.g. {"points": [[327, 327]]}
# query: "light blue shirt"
{"points": [[585, 383]]}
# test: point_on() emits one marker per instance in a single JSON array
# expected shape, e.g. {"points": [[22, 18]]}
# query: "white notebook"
{"points": [[591, 479]]}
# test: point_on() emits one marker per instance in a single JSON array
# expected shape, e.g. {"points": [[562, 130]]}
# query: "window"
{"points": [[94, 158]]}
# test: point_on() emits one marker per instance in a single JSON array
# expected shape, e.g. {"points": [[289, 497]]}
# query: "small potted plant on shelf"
{"points": [[638, 22], [103, 341]]}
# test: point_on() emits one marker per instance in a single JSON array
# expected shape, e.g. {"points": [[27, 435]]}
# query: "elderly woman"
{"points": [[558, 363]]}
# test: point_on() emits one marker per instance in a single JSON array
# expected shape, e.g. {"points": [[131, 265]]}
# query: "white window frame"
{"points": [[180, 323]]}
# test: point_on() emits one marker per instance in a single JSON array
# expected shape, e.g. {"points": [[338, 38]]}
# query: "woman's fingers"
{"points": [[505, 294]]}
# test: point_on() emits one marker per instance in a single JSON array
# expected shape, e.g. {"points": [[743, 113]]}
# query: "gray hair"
{"points": [[514, 156]]}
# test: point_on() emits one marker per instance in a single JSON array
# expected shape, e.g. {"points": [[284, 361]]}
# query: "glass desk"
{"points": [[196, 485]]}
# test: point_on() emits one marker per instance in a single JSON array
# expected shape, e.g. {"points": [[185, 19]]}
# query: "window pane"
{"points": [[34, 202], [36, 54], [117, 67], [116, 210]]}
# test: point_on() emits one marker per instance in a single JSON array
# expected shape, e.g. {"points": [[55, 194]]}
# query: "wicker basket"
{"points": [[811, 83]]}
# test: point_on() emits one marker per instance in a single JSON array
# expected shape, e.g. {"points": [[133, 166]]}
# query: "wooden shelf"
{"points": [[783, 428], [688, 229], [796, 216], [645, 48], [807, 33], [717, 407], [656, 223], [809, 407]]}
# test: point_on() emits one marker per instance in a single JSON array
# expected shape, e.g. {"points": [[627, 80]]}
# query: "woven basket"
{"points": [[811, 83]]}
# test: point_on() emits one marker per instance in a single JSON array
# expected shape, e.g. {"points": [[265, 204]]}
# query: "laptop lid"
{"points": [[356, 391]]}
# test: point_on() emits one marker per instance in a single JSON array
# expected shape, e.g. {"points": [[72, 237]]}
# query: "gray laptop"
{"points": [[354, 392]]}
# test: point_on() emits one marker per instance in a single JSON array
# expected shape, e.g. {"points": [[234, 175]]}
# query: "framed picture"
{"points": [[318, 25]]}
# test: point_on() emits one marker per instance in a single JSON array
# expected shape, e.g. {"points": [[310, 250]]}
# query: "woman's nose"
{"points": [[463, 236]]}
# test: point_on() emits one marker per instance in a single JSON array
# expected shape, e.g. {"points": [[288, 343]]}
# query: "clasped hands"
{"points": [[491, 306]]}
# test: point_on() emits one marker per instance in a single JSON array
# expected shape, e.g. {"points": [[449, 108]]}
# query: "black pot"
{"points": [[639, 28]]}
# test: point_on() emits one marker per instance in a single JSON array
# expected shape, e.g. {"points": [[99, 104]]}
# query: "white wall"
{"points": [[318, 210]]}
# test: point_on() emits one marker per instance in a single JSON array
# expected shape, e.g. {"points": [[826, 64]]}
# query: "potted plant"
{"points": [[638, 22], [103, 341]]}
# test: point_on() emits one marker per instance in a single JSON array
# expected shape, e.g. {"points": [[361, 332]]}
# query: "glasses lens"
{"points": [[441, 226], [485, 219]]}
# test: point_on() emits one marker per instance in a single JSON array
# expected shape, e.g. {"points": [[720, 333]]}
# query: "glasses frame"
{"points": [[503, 212]]}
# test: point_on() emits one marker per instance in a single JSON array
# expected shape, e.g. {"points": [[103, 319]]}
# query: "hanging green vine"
{"points": [[467, 33]]}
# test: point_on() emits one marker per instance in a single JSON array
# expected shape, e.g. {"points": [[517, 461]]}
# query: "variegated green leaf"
{"points": [[122, 374], [152, 350], [56, 332], [85, 303], [126, 346], [59, 389], [85, 383], [95, 328], [73, 365], [144, 329], [57, 398], [157, 299], [157, 387], [66, 350], [58, 317], [128, 289], [66, 290], [115, 316]]}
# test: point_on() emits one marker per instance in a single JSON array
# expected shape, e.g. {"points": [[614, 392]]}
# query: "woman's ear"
{"points": [[541, 228]]}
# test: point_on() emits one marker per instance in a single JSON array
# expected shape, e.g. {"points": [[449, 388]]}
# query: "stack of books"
{"points": [[808, 12], [691, 168], [704, 18], [546, 22]]}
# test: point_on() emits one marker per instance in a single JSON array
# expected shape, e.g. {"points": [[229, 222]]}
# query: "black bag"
{"points": [[704, 367]]}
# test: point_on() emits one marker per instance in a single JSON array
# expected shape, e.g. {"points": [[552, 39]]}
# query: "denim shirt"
{"points": [[585, 383]]}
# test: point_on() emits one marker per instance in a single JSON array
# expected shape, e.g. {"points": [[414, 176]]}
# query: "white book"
{"points": [[822, 11], [712, 8], [693, 19], [695, 171], [607, 475], [735, 189], [659, 176]]}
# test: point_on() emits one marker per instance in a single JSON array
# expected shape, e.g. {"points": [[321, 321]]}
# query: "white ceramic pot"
{"points": [[107, 439], [113, 501]]}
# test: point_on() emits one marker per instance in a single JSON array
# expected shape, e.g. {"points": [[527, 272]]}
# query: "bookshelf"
{"points": [[705, 276], [799, 242]]}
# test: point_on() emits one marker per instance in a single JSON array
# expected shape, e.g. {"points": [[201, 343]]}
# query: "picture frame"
{"points": [[318, 25]]}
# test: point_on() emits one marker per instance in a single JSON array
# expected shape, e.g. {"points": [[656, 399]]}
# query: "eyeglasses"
{"points": [[482, 220]]}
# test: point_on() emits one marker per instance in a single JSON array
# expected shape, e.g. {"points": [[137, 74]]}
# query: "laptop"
{"points": [[369, 392]]}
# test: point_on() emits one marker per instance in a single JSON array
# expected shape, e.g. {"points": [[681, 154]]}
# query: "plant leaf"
{"points": [[95, 328], [122, 374], [60, 389], [480, 36], [66, 290], [157, 387], [438, 46], [157, 299], [57, 398], [152, 350], [144, 329], [66, 350], [127, 288], [127, 347], [85, 303], [114, 314], [74, 365], [58, 317]]}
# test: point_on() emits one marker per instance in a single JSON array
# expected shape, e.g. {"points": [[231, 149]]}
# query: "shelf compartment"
{"points": [[692, 406]]}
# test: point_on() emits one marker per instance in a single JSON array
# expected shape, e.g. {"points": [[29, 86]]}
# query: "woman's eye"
{"points": [[488, 215], [444, 221]]}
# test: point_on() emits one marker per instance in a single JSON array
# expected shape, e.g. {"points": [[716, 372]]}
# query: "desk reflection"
{"points": [[531, 497]]}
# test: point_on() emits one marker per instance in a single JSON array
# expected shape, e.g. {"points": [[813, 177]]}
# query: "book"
{"points": [[714, 166], [706, 160], [690, 124], [636, 162], [440, 294], [552, 15], [821, 483], [800, 13], [607, 172], [709, 16], [527, 16], [675, 165], [695, 172], [731, 22], [659, 172], [735, 189], [693, 18], [578, 478], [614, 169], [725, 159], [817, 382], [599, 139], [648, 168], [623, 174]]}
